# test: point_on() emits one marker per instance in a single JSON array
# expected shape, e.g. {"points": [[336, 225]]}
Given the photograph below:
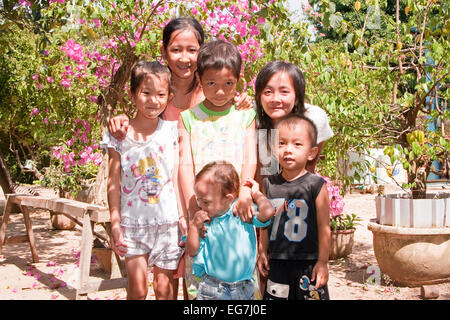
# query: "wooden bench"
{"points": [[89, 214]]}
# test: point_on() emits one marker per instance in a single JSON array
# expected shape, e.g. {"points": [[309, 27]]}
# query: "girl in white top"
{"points": [[143, 186]]}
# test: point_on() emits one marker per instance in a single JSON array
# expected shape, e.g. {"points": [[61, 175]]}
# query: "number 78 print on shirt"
{"points": [[293, 232]]}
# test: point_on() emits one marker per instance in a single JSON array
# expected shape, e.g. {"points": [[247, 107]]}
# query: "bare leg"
{"points": [[137, 277], [163, 283]]}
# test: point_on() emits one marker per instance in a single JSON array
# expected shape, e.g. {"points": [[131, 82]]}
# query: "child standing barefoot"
{"points": [[142, 186]]}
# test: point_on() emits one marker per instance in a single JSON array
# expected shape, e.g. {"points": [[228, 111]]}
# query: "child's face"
{"points": [[219, 88], [152, 96], [210, 197], [181, 53], [278, 97], [294, 147]]}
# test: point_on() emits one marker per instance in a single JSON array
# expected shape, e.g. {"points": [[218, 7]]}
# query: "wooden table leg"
{"points": [[85, 257], [29, 227], [5, 220]]}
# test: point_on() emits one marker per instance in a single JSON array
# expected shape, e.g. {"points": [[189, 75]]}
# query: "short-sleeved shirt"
{"points": [[293, 233], [217, 136], [147, 192], [228, 252]]}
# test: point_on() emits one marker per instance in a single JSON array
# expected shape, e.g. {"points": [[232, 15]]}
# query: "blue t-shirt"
{"points": [[228, 252]]}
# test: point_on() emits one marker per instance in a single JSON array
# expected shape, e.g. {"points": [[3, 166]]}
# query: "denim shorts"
{"points": [[211, 288]]}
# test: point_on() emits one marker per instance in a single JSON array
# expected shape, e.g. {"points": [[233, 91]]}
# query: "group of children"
{"points": [[188, 167]]}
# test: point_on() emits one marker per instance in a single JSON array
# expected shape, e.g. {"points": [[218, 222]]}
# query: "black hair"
{"points": [[263, 77], [142, 68], [219, 54], [291, 120], [184, 23]]}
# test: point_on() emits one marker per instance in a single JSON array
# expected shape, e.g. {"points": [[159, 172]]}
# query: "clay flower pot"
{"points": [[341, 243], [61, 222], [412, 256]]}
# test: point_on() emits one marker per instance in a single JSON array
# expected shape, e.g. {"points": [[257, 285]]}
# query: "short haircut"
{"points": [[143, 68], [224, 174], [291, 120], [219, 54]]}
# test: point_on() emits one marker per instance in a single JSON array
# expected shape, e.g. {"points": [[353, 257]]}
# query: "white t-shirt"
{"points": [[319, 117], [147, 191]]}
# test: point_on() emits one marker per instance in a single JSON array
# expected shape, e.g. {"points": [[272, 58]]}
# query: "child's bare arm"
{"points": [[320, 270], [186, 170], [182, 211], [196, 228], [113, 189], [244, 206], [263, 246], [265, 208]]}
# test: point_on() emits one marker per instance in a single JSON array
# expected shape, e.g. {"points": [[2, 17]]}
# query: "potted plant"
{"points": [[342, 225], [392, 92], [408, 61]]}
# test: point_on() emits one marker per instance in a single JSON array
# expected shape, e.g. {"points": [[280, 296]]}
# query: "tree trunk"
{"points": [[5, 179], [113, 96]]}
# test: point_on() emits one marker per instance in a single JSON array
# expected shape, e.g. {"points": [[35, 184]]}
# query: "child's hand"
{"points": [[118, 126], [243, 101], [253, 185], [182, 223], [263, 264], [244, 206], [117, 243], [183, 228], [320, 274], [200, 218]]}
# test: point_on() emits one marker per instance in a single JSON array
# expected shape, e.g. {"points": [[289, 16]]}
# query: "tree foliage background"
{"points": [[64, 66]]}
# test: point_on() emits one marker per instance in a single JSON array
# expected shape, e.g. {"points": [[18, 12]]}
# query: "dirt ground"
{"points": [[54, 277]]}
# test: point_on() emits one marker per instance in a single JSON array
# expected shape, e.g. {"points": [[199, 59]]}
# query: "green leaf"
{"points": [[332, 7], [335, 21]]}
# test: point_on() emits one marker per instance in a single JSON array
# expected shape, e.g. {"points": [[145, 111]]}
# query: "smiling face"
{"points": [[181, 53], [219, 88], [152, 96], [278, 96], [294, 149]]}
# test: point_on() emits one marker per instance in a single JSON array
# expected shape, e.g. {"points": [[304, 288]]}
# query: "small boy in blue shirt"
{"points": [[225, 258]]}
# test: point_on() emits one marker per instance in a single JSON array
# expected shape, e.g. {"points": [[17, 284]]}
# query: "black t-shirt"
{"points": [[293, 233]]}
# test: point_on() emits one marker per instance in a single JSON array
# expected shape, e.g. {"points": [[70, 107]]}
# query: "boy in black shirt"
{"points": [[294, 249]]}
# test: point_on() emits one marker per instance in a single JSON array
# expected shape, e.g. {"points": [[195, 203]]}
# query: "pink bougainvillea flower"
{"points": [[49, 79], [65, 82], [24, 3]]}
